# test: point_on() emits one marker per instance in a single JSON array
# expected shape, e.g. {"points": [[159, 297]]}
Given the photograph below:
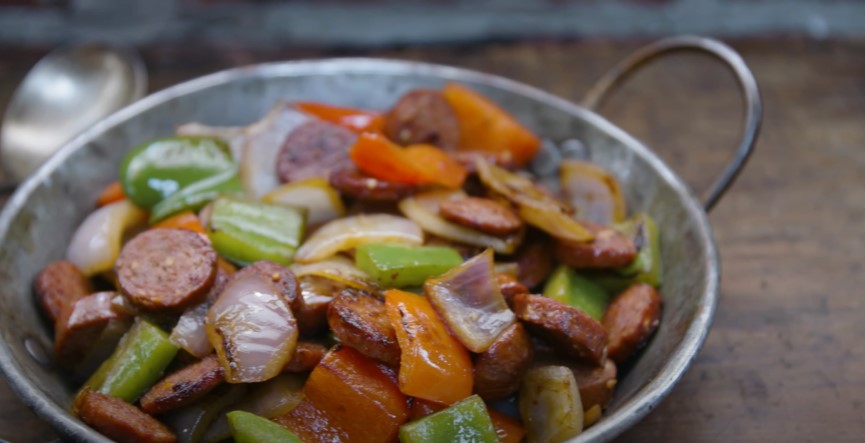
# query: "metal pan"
{"points": [[38, 221]]}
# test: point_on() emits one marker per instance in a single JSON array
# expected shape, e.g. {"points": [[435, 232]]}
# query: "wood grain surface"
{"points": [[785, 360]]}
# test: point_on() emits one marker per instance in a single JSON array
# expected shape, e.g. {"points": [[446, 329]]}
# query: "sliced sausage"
{"points": [[510, 286], [312, 317], [79, 325], [184, 386], [631, 319], [573, 330], [500, 369], [423, 116], [59, 284], [609, 249], [166, 269], [353, 183], [534, 261], [596, 383], [282, 278], [306, 357], [359, 320], [314, 149], [120, 421], [482, 214]]}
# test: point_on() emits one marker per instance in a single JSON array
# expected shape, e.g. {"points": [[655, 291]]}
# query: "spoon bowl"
{"points": [[66, 92]]}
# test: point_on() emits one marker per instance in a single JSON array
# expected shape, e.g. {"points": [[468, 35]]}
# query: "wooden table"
{"points": [[785, 360]]}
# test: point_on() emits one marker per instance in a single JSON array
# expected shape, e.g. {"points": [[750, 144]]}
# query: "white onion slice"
{"points": [[321, 200], [235, 136], [346, 233], [189, 332], [263, 141], [97, 241], [337, 268]]}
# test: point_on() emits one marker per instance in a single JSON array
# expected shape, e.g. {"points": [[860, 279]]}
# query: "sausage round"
{"points": [[576, 333], [534, 261], [59, 284], [500, 369], [184, 386], [353, 183], [120, 421], [314, 149], [509, 286], [609, 249], [423, 116], [631, 319], [482, 214], [166, 269], [596, 383], [79, 325], [282, 278], [306, 357], [359, 320]]}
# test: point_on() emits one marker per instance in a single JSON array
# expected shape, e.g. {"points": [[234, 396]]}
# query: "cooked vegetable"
{"points": [[183, 220], [194, 196], [252, 328], [159, 168], [321, 201], [469, 301], [110, 194], [245, 231], [349, 232], [194, 423], [508, 429], [570, 288], [592, 191], [338, 269], [139, 360], [264, 139], [645, 267], [550, 405], [250, 428], [465, 421], [417, 164], [397, 266], [423, 209], [433, 365], [189, 333], [359, 120], [96, 243], [486, 127]]}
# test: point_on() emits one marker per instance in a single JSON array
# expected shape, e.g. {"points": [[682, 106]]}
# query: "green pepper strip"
{"points": [[196, 195], [566, 286], [464, 421], [250, 428], [398, 266]]}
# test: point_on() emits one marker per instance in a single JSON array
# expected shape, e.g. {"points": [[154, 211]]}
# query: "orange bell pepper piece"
{"points": [[348, 397], [433, 364], [112, 193], [377, 156], [486, 127], [183, 220], [358, 120], [508, 429]]}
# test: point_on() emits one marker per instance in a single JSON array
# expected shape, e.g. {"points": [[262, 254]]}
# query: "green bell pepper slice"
{"points": [[250, 428], [196, 195], [646, 267], [245, 231], [398, 266], [465, 421], [137, 363], [572, 289], [159, 168]]}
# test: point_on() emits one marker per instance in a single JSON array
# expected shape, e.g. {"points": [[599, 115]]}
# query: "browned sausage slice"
{"points": [[80, 324], [510, 286], [282, 278], [59, 284], [482, 214], [353, 183], [423, 116], [184, 386], [500, 369], [120, 421], [609, 249], [166, 269], [312, 317], [534, 261], [306, 357], [596, 383], [359, 320], [314, 149], [631, 319], [573, 330]]}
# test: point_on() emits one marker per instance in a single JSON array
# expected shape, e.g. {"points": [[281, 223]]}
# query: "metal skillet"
{"points": [[37, 223]]}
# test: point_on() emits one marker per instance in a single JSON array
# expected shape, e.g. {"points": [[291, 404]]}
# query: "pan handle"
{"points": [[747, 84]]}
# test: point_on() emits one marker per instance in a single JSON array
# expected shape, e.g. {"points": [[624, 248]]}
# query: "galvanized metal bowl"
{"points": [[37, 223]]}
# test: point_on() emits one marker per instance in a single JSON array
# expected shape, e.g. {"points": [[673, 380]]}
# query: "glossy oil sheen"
{"points": [[37, 223]]}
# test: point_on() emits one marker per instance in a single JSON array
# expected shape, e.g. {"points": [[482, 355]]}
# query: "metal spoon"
{"points": [[68, 90]]}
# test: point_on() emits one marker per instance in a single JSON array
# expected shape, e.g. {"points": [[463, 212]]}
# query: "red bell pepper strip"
{"points": [[377, 156], [358, 120]]}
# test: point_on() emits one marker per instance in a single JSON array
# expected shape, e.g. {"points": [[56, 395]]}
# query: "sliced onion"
{"points": [[534, 206], [96, 244], [315, 194], [550, 404], [346, 233], [263, 141], [338, 269], [253, 330], [510, 268], [189, 333], [190, 423], [423, 209], [469, 301], [235, 136], [593, 191]]}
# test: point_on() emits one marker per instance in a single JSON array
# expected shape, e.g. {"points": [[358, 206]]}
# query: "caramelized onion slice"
{"points": [[97, 241], [339, 269], [592, 191], [348, 232]]}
